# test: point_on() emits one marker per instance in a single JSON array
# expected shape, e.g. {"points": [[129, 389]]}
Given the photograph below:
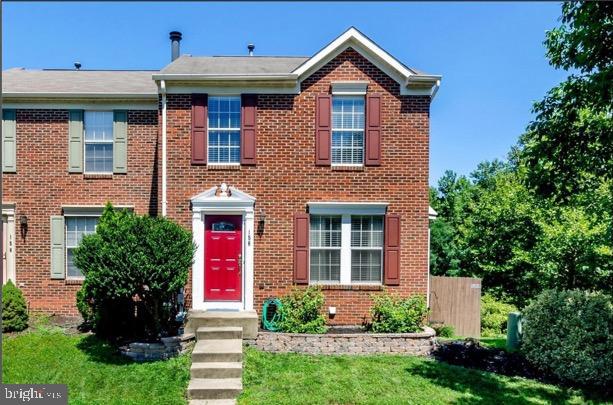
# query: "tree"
{"points": [[568, 148]]}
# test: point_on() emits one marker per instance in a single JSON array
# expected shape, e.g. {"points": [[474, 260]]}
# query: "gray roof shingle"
{"points": [[234, 65], [107, 82]]}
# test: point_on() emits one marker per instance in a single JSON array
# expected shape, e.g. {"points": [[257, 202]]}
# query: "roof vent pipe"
{"points": [[250, 47], [175, 39]]}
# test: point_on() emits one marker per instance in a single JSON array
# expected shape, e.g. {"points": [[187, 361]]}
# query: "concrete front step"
{"points": [[248, 320], [212, 402], [219, 332], [218, 350], [214, 388], [214, 369]]}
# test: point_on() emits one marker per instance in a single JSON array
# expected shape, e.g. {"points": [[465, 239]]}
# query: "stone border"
{"points": [[421, 343], [167, 347]]}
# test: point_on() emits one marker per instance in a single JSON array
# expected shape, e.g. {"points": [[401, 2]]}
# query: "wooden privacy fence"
{"points": [[456, 301]]}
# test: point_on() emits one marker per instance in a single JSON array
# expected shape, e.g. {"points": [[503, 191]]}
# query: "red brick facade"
{"points": [[42, 185], [284, 179]]}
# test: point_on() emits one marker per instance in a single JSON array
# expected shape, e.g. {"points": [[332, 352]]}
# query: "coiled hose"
{"points": [[271, 314]]}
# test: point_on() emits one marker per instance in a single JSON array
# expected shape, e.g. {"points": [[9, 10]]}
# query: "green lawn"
{"points": [[96, 375], [91, 369], [384, 379]]}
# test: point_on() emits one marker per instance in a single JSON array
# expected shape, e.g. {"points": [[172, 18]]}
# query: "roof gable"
{"points": [[352, 38]]}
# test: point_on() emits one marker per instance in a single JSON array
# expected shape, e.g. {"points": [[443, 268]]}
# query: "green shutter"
{"points": [[9, 141], [120, 142], [75, 141], [58, 251]]}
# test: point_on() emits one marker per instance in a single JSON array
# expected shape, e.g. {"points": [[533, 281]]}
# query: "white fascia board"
{"points": [[352, 34], [346, 207], [226, 77], [231, 89], [376, 55], [65, 95], [33, 104]]}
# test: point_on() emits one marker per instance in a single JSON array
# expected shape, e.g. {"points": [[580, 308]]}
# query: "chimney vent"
{"points": [[77, 65], [250, 47], [175, 39]]}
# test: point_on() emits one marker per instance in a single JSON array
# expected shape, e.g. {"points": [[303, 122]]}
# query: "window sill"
{"points": [[223, 167], [342, 168], [88, 176], [74, 281], [350, 287]]}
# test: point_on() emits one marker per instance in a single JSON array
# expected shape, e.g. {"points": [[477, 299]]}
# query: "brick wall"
{"points": [[283, 181], [42, 185], [286, 178]]}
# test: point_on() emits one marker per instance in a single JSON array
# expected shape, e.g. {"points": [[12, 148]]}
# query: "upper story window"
{"points": [[347, 130], [224, 130], [98, 128]]}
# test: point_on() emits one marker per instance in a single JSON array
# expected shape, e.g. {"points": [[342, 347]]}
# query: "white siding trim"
{"points": [[238, 203], [349, 88], [350, 208]]}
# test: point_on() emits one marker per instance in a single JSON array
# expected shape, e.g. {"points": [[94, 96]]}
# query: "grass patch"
{"points": [[384, 379], [94, 372], [495, 342]]}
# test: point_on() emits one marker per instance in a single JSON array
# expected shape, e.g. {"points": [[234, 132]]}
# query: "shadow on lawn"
{"points": [[484, 387], [101, 351]]}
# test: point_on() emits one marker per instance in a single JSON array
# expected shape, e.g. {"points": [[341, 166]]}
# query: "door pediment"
{"points": [[222, 197]]}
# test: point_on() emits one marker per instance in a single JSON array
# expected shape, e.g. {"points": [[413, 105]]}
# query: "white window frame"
{"points": [[346, 210], [211, 129], [72, 211], [331, 248], [363, 248], [66, 247], [333, 129], [86, 142]]}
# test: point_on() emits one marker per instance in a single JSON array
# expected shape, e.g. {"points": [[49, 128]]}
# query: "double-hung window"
{"points": [[76, 228], [366, 248], [224, 130], [325, 240], [346, 249], [348, 130], [98, 128]]}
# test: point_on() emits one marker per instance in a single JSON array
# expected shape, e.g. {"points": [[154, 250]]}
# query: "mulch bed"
{"points": [[469, 353]]}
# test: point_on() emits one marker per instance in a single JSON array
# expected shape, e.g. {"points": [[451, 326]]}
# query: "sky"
{"points": [[491, 55]]}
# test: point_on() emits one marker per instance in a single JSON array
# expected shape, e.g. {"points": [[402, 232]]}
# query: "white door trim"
{"points": [[8, 211], [212, 202]]}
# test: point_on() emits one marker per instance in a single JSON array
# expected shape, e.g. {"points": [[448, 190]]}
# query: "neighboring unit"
{"points": [[287, 170]]}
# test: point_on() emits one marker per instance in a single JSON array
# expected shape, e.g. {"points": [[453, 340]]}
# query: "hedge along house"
{"points": [[288, 171]]}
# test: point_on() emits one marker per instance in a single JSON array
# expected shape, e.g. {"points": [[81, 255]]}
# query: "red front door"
{"points": [[222, 246]]}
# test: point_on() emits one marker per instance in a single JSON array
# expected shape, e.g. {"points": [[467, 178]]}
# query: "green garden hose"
{"points": [[271, 314]]}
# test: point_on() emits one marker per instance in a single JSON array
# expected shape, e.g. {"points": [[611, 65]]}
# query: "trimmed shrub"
{"points": [[85, 307], [392, 314], [301, 311], [14, 309], [445, 331], [134, 266], [569, 334], [494, 315]]}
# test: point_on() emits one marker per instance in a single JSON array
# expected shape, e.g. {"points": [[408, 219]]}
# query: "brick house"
{"points": [[288, 171]]}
